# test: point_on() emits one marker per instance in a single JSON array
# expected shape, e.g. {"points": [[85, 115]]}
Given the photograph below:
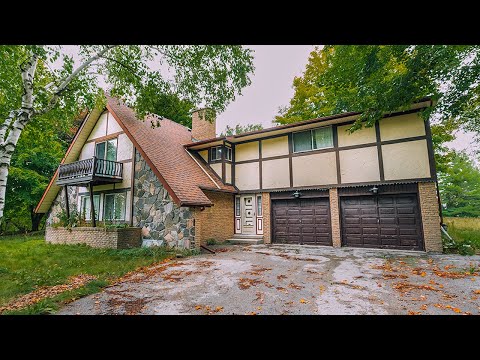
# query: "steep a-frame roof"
{"points": [[182, 174]]}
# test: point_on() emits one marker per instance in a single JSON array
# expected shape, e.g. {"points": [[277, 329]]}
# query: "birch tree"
{"points": [[33, 86]]}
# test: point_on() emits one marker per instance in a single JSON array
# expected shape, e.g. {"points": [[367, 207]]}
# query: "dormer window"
{"points": [[216, 153]]}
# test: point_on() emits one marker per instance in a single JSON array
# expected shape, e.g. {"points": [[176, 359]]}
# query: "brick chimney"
{"points": [[202, 127]]}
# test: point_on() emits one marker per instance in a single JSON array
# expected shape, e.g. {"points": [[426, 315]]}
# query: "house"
{"points": [[310, 182]]}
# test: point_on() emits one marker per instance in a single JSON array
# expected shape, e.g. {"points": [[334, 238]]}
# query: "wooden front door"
{"points": [[248, 214]]}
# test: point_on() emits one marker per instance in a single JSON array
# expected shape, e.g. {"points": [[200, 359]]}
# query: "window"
{"points": [[85, 207], [216, 153], [114, 208], [237, 206], [228, 153], [107, 150], [320, 138], [259, 205]]}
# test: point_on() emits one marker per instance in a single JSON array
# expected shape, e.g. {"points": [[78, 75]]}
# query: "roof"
{"points": [[163, 148], [276, 130]]}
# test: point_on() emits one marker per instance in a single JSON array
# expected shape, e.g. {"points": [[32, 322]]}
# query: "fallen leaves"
{"points": [[246, 283], [411, 312], [295, 286], [476, 292], [282, 289], [281, 276], [44, 292], [322, 289], [260, 297], [208, 309], [303, 301], [405, 287]]}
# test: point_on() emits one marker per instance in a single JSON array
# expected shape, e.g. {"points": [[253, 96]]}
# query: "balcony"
{"points": [[92, 171]]}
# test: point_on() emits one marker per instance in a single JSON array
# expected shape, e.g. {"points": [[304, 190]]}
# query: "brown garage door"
{"points": [[302, 221], [382, 221]]}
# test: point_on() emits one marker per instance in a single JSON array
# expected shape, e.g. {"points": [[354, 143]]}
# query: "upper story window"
{"points": [[107, 150], [320, 138], [216, 153]]}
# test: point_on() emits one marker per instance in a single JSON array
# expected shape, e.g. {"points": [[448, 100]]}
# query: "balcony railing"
{"points": [[91, 170]]}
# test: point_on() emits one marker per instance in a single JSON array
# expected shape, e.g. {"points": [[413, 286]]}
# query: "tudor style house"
{"points": [[310, 182]]}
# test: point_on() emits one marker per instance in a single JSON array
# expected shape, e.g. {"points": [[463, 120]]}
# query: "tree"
{"points": [[168, 105], [378, 79], [240, 129], [30, 88], [460, 187]]}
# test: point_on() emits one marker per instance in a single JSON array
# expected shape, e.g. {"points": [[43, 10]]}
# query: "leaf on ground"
{"points": [[424, 307], [476, 292], [295, 286], [251, 313], [260, 297], [218, 309], [198, 307], [303, 301], [322, 289], [411, 312], [423, 274]]}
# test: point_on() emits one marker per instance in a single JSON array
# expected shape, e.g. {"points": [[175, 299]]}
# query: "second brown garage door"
{"points": [[302, 221], [382, 221]]}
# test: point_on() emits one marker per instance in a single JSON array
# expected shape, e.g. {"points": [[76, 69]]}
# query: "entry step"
{"points": [[246, 239]]}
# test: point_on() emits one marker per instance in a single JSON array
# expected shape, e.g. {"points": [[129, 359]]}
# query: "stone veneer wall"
{"points": [[161, 220], [427, 192], [59, 204], [95, 237], [215, 222]]}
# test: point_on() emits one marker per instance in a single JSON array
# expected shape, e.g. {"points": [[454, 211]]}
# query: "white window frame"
{"points": [[216, 153], [97, 213], [228, 153], [311, 139], [114, 202], [106, 148]]}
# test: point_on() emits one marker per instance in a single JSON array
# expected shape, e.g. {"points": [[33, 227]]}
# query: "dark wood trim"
{"points": [[132, 186], [109, 191], [223, 162], [106, 125], [174, 196], [263, 138], [66, 201], [125, 161], [105, 138], [379, 152], [260, 175], [290, 162], [411, 188], [396, 141], [337, 153], [431, 153], [92, 206], [218, 190], [233, 165], [306, 194]]}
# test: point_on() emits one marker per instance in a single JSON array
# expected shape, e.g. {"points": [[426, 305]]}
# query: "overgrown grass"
{"points": [[464, 231], [27, 263]]}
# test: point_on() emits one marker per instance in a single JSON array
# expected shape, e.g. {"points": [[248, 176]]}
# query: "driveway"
{"points": [[295, 280]]}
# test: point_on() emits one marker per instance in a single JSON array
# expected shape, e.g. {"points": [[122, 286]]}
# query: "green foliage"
{"points": [[378, 79], [167, 105], [211, 242], [462, 242], [67, 220], [459, 184], [27, 263], [240, 129]]}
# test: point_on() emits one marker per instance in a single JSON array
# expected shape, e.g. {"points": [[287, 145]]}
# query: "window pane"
{"points": [[322, 138], [109, 207], [100, 150], [85, 207], [228, 154], [213, 154], [219, 153], [112, 150], [119, 206], [302, 141], [237, 206], [259, 205]]}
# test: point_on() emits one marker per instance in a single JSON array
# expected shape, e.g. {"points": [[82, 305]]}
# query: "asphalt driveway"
{"points": [[296, 280]]}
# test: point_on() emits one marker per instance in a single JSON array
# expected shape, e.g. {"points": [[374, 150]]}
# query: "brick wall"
{"points": [[430, 217], [335, 217], [215, 222], [202, 129], [267, 230], [96, 237]]}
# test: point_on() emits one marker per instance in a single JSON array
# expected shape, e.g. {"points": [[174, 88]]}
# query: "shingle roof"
{"points": [[163, 149]]}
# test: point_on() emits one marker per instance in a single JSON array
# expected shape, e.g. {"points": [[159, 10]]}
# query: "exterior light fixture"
{"points": [[374, 190], [296, 194]]}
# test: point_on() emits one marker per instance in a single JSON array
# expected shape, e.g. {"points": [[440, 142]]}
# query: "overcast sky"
{"points": [[275, 68]]}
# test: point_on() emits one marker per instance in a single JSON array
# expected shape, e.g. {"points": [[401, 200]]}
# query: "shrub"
{"points": [[464, 247], [211, 242], [67, 221]]}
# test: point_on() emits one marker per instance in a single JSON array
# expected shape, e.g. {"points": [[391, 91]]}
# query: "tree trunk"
{"points": [[36, 218]]}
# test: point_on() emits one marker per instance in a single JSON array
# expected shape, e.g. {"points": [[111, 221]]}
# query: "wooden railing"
{"points": [[90, 168]]}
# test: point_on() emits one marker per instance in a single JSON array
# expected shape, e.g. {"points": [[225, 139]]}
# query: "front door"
{"points": [[248, 214]]}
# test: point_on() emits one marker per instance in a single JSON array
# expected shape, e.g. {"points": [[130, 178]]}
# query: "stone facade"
{"points": [[267, 231], [95, 237], [154, 211], [202, 129], [335, 217], [215, 222], [427, 193], [59, 204]]}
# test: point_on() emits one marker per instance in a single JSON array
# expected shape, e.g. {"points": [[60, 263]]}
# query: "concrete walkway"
{"points": [[285, 279]]}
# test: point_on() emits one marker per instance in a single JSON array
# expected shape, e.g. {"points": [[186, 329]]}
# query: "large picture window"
{"points": [[114, 208], [85, 208], [320, 138]]}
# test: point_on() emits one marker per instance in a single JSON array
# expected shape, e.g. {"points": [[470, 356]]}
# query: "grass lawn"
{"points": [[464, 229], [27, 263]]}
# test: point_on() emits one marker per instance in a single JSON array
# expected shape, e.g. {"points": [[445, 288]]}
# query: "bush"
{"points": [[211, 242], [67, 221], [464, 247]]}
